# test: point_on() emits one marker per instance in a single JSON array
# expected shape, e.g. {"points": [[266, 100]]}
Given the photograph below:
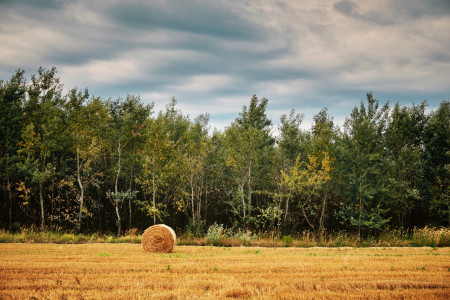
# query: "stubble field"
{"points": [[52, 271]]}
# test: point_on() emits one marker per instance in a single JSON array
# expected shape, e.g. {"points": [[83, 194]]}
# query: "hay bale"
{"points": [[159, 238]]}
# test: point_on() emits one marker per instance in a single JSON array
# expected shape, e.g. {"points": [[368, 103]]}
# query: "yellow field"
{"points": [[51, 271]]}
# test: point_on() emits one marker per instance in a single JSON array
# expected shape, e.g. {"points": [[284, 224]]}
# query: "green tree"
{"points": [[126, 123], [163, 166], [363, 167], [404, 142], [305, 180], [292, 142], [322, 147], [43, 115], [249, 145], [87, 123], [12, 96], [437, 157], [196, 157]]}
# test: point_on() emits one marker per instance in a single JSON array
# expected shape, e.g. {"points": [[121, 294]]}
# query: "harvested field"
{"points": [[90, 271]]}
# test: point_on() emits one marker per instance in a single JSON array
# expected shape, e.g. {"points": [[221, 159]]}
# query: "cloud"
{"points": [[214, 55], [203, 83], [347, 8], [212, 18]]}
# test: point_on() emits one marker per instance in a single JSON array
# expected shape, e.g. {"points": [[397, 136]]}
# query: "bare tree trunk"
{"points": [[80, 184], [192, 201], [119, 227], [206, 200], [360, 214], [131, 189], [287, 209], [119, 166], [10, 203], [241, 190], [154, 194], [116, 190], [249, 190], [52, 199], [306, 216], [322, 215], [200, 195], [41, 202]]}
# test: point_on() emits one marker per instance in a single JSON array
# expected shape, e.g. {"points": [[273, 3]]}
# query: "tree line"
{"points": [[89, 164]]}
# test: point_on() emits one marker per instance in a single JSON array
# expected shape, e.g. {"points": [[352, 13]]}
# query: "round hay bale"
{"points": [[159, 238]]}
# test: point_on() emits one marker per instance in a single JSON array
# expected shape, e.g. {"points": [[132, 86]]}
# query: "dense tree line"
{"points": [[90, 164]]}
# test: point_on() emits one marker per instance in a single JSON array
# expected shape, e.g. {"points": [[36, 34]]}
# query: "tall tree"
{"points": [[322, 141], [363, 166], [127, 122], [12, 97], [43, 113], [163, 166], [437, 172], [305, 180], [404, 142], [87, 123], [291, 144], [249, 146], [196, 158]]}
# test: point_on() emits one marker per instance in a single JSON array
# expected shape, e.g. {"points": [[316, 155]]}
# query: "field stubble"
{"points": [[51, 271]]}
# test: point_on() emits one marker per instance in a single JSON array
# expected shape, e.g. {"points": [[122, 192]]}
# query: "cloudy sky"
{"points": [[212, 56]]}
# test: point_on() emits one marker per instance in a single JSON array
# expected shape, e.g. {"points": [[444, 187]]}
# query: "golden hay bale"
{"points": [[159, 238]]}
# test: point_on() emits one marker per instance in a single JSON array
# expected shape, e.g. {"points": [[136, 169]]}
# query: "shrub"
{"points": [[195, 228], [244, 238], [287, 239], [214, 234]]}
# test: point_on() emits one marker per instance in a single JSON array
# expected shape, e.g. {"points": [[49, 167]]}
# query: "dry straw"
{"points": [[159, 238]]}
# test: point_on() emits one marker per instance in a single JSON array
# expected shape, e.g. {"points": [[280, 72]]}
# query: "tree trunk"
{"points": [[41, 202], [154, 195], [116, 190], [360, 214], [241, 191], [10, 203], [306, 216], [131, 189], [249, 191], [199, 196], [192, 201], [52, 200], [119, 166], [206, 200], [322, 215], [287, 209], [119, 227], [80, 184]]}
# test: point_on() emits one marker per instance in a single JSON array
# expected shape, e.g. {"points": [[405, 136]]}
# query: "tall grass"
{"points": [[56, 235], [418, 237], [431, 237]]}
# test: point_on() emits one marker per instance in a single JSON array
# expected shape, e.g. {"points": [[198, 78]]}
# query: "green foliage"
{"points": [[196, 228], [88, 164], [287, 239], [215, 234]]}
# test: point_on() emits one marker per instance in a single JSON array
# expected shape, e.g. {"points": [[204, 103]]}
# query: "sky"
{"points": [[213, 56]]}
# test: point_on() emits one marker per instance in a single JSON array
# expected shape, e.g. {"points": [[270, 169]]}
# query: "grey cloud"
{"points": [[347, 8], [413, 9], [396, 12], [204, 18], [254, 46], [351, 9], [35, 4]]}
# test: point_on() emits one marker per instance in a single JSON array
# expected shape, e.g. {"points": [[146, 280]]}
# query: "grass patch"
{"points": [[424, 237]]}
